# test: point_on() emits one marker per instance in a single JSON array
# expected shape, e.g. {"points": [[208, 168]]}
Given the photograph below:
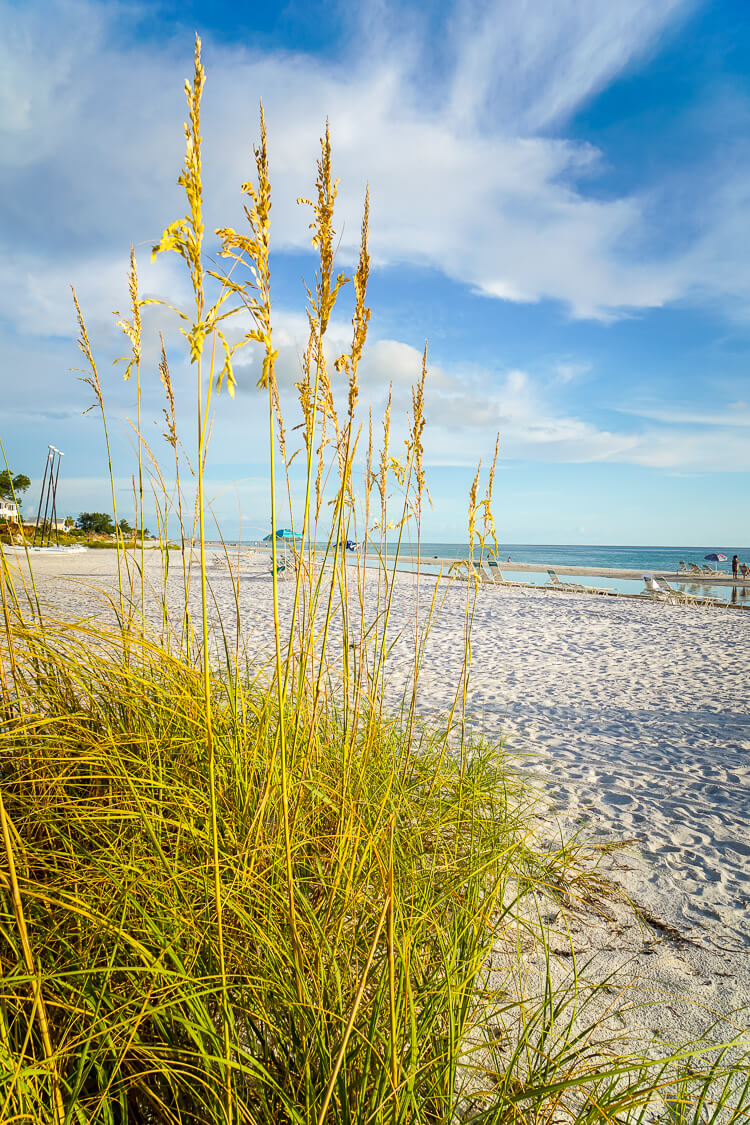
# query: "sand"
{"points": [[634, 718]]}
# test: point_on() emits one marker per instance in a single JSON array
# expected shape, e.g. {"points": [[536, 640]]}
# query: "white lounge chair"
{"points": [[226, 563], [659, 589], [494, 578], [687, 598], [556, 584], [657, 592], [501, 580]]}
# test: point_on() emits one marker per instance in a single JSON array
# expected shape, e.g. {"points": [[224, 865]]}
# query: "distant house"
{"points": [[8, 511]]}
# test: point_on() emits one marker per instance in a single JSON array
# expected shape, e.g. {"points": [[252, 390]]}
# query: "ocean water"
{"points": [[593, 556], [647, 559]]}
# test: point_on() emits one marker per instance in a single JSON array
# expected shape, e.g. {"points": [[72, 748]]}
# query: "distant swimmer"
{"points": [[508, 558]]}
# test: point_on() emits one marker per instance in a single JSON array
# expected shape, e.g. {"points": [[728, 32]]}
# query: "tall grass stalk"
{"points": [[91, 378], [132, 331], [255, 891], [40, 1009], [186, 238]]}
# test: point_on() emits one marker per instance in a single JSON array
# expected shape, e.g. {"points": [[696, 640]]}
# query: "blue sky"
{"points": [[560, 204]]}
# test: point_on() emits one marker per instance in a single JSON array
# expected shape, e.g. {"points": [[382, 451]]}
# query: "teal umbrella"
{"points": [[282, 533]]}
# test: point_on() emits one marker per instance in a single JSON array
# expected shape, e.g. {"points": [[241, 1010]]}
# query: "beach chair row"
{"points": [[695, 568], [492, 576], [656, 588]]}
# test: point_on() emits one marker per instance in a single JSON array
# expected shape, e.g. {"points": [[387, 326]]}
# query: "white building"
{"points": [[8, 511]]}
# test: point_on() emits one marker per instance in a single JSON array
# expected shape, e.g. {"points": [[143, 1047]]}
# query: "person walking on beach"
{"points": [[735, 566]]}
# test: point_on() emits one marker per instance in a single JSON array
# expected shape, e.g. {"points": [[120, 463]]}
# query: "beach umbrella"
{"points": [[282, 533], [715, 557]]}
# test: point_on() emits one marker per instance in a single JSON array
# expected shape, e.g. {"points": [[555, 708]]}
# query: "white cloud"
{"points": [[534, 64], [568, 372], [463, 417], [465, 410], [718, 450], [734, 414], [462, 183]]}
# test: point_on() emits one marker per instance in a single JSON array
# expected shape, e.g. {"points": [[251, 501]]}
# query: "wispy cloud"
{"points": [[464, 181], [568, 372], [734, 414], [532, 65]]}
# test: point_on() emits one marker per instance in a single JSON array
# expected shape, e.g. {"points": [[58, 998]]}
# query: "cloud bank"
{"points": [[468, 172]]}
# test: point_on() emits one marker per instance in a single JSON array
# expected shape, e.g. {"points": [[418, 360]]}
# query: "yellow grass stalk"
{"points": [[395, 1078], [171, 437], [132, 329], [256, 248], [92, 380], [185, 237], [353, 1013], [58, 1111]]}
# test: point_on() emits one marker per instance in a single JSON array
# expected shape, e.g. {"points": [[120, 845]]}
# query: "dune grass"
{"points": [[252, 893]]}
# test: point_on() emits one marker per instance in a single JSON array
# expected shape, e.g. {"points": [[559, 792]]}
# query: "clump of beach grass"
{"points": [[238, 893]]}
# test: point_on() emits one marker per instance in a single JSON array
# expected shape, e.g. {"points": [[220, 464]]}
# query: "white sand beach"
{"points": [[634, 716]]}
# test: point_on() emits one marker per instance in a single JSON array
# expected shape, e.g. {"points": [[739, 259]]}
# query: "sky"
{"points": [[560, 207]]}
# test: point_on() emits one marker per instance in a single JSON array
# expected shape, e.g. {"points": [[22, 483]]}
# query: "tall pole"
{"points": [[41, 496], [54, 494], [45, 524]]}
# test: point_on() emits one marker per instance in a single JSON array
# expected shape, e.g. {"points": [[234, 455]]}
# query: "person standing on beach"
{"points": [[735, 566]]}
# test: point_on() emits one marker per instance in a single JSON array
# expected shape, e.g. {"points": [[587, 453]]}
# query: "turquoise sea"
{"points": [[647, 559]]}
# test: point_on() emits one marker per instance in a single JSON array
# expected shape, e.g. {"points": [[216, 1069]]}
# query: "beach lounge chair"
{"points": [[285, 570], [687, 598], [555, 583], [659, 589], [495, 578], [706, 569], [657, 592], [473, 572], [695, 569], [683, 566], [490, 577], [225, 563]]}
